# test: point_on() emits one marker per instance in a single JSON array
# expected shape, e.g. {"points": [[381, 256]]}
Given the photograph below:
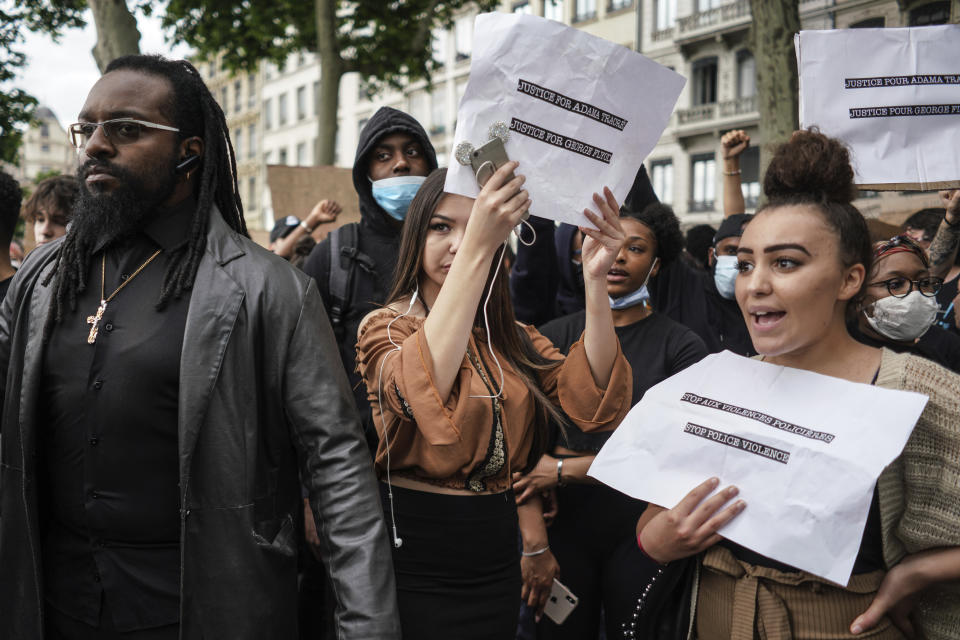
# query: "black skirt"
{"points": [[458, 568]]}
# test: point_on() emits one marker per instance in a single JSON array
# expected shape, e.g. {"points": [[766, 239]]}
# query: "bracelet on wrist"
{"points": [[644, 552], [530, 554], [732, 173], [306, 227], [560, 472]]}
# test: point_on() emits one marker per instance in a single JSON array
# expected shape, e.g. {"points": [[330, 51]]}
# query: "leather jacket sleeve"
{"points": [[337, 472]]}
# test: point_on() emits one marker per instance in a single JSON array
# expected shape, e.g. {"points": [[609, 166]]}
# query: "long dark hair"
{"points": [[195, 113], [511, 340]]}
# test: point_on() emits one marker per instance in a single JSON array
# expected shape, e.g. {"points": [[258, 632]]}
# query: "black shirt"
{"points": [[690, 297], [4, 285], [111, 526], [656, 348], [937, 345]]}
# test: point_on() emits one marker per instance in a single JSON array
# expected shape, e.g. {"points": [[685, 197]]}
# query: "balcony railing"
{"points": [[713, 18], [717, 110], [663, 34]]}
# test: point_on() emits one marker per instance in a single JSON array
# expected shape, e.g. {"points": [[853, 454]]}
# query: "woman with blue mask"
{"points": [[592, 535]]}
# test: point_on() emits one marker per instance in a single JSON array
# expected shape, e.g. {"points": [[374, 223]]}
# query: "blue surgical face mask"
{"points": [[639, 296], [394, 195], [725, 275]]}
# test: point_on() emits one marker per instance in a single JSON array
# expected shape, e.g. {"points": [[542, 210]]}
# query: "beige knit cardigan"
{"points": [[920, 490]]}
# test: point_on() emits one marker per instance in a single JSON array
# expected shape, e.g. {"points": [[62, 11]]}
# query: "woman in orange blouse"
{"points": [[457, 412]]}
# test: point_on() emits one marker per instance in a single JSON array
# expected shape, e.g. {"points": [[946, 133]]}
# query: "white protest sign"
{"points": [[804, 449], [583, 112], [893, 95]]}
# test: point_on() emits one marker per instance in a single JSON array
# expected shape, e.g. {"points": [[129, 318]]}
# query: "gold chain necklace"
{"points": [[94, 321]]}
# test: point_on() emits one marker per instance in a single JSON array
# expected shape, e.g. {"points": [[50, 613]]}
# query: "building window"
{"points": [[237, 95], [553, 10], [252, 190], [302, 154], [869, 23], [45, 148], [746, 74], [704, 85], [283, 156], [301, 103], [463, 37], [438, 111], [522, 7], [223, 98], [616, 5], [251, 91], [706, 5], [661, 177], [238, 143], [438, 47], [419, 108], [750, 177], [930, 13], [666, 14], [251, 141], [282, 109], [585, 10], [704, 185], [44, 130], [268, 114]]}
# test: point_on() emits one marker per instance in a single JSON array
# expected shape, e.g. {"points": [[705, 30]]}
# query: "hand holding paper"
{"points": [[691, 526], [804, 449], [575, 109]]}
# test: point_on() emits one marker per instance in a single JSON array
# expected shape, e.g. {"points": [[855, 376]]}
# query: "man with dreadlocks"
{"points": [[164, 381]]}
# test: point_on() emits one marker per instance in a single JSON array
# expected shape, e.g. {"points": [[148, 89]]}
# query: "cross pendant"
{"points": [[94, 322]]}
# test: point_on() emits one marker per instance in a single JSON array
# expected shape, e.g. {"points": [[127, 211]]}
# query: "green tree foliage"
{"points": [[387, 42], [16, 106]]}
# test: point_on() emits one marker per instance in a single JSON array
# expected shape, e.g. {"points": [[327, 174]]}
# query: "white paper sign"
{"points": [[583, 112], [804, 449], [893, 95]]}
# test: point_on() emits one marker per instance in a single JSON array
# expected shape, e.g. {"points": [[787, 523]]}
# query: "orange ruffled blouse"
{"points": [[472, 442]]}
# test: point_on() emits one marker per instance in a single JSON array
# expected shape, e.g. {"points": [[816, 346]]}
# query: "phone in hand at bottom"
{"points": [[560, 603]]}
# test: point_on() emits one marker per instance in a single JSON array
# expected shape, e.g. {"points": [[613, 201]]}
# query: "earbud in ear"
{"points": [[187, 164]]}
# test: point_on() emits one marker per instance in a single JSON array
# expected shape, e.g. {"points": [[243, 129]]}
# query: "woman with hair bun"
{"points": [[803, 265]]}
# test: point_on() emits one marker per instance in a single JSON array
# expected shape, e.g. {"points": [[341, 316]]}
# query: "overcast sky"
{"points": [[60, 74]]}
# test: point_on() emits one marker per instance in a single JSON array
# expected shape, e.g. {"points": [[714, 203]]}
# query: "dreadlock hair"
{"points": [[194, 111]]}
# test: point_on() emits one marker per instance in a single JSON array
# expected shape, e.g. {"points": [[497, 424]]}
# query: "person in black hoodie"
{"points": [[353, 265]]}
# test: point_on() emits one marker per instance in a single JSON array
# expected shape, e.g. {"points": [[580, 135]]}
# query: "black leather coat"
{"points": [[262, 397]]}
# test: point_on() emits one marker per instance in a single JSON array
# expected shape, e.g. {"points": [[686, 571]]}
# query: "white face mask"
{"points": [[725, 276], [903, 319]]}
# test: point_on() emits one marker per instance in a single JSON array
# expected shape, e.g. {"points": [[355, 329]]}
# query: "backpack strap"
{"points": [[345, 256]]}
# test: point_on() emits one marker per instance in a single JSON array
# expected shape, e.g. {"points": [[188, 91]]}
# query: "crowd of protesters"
{"points": [[391, 437]]}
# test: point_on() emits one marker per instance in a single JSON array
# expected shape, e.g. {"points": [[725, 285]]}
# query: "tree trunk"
{"points": [[774, 24], [332, 68], [117, 33]]}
